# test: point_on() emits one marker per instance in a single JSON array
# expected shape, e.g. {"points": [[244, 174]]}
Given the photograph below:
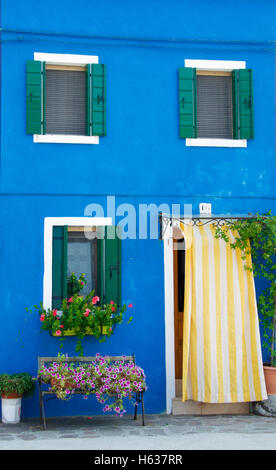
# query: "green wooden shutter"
{"points": [[243, 122], [187, 102], [59, 265], [109, 266], [96, 99], [35, 84]]}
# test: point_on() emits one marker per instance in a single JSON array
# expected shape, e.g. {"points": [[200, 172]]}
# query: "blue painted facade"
{"points": [[141, 160]]}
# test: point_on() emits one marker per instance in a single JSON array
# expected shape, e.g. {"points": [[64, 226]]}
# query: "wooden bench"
{"points": [[139, 396]]}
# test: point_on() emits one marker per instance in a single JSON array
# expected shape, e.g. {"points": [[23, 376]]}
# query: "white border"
{"points": [[65, 139], [169, 317], [65, 59], [220, 66], [216, 142], [49, 222]]}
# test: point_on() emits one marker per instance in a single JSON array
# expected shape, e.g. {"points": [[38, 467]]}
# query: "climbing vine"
{"points": [[256, 235]]}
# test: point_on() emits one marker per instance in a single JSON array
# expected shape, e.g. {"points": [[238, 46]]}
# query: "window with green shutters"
{"points": [[65, 99], [215, 105], [98, 257]]}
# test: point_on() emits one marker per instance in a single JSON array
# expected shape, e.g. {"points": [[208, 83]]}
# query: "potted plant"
{"points": [[110, 381], [261, 231], [12, 388], [74, 284]]}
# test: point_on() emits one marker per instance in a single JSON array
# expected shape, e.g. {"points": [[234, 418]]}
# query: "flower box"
{"points": [[88, 331]]}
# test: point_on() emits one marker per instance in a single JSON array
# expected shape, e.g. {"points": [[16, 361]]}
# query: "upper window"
{"points": [[66, 98], [215, 103], [214, 106]]}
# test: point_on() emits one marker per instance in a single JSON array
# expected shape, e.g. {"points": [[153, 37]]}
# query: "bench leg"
{"points": [[41, 406], [143, 409], [44, 419], [42, 410], [140, 399], [136, 406]]}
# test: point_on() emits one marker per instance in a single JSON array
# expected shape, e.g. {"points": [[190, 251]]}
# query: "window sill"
{"points": [[216, 143], [65, 139]]}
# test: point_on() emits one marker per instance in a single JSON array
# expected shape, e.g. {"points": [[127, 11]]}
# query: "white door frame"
{"points": [[169, 317]]}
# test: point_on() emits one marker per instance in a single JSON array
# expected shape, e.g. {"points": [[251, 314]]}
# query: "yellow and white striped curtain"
{"points": [[222, 360]]}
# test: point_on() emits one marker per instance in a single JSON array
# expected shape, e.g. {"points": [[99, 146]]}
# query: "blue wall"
{"points": [[141, 160]]}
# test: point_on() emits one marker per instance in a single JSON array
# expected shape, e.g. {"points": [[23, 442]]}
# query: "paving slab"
{"points": [[161, 432]]}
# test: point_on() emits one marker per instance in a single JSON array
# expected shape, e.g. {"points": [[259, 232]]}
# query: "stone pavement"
{"points": [[162, 432]]}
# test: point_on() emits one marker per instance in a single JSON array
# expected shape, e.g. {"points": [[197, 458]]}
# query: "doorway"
{"points": [[179, 291]]}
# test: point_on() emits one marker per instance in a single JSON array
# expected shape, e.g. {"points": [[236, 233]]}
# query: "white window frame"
{"points": [[49, 222], [71, 60], [221, 66]]}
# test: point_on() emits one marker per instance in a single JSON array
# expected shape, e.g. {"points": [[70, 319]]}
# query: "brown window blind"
{"points": [[65, 107], [214, 107]]}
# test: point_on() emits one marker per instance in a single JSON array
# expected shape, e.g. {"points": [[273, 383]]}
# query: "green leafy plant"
{"points": [[256, 235], [22, 384], [110, 381], [74, 284], [82, 316]]}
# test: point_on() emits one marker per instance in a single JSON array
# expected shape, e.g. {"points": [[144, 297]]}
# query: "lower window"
{"points": [[92, 255]]}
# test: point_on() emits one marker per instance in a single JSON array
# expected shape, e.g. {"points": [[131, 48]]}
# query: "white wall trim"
{"points": [[49, 222], [65, 139], [216, 142], [219, 65], [169, 318], [66, 59]]}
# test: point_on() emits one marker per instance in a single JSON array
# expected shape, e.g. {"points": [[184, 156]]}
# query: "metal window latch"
{"points": [[112, 268], [100, 99]]}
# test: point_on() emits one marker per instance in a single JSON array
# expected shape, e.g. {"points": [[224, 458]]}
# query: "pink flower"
{"points": [[110, 329], [112, 302], [58, 332], [61, 326], [95, 300], [130, 305], [113, 309], [42, 318], [86, 313], [70, 300], [55, 312]]}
